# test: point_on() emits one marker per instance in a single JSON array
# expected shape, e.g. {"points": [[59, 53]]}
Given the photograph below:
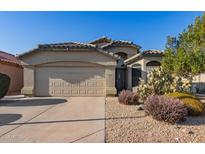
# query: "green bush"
{"points": [[194, 105], [4, 84]]}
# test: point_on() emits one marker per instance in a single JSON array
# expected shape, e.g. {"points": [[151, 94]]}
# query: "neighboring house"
{"points": [[98, 68], [11, 66], [199, 83]]}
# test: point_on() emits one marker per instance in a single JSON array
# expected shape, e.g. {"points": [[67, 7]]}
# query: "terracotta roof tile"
{"points": [[121, 43], [9, 58]]}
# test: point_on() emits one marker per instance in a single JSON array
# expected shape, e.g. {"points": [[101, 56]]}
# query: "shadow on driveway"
{"points": [[75, 120], [8, 118], [31, 102]]}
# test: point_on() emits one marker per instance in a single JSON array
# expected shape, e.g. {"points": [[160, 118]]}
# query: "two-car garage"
{"points": [[68, 70], [70, 81]]}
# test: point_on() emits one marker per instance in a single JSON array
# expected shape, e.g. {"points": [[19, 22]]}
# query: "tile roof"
{"points": [[89, 45], [67, 45], [121, 43], [9, 58], [152, 52], [113, 43]]}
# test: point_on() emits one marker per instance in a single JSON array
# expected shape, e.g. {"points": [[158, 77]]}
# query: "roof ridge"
{"points": [[73, 43], [102, 37], [114, 42], [131, 42], [152, 51]]}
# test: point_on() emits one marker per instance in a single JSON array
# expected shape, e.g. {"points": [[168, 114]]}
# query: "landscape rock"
{"points": [[177, 140], [177, 126], [140, 107], [190, 132], [126, 124]]}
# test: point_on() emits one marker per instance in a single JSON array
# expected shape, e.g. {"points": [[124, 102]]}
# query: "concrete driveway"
{"points": [[74, 119]]}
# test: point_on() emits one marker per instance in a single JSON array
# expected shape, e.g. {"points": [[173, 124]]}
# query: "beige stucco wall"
{"points": [[199, 82], [57, 56], [110, 80], [67, 58], [16, 75], [130, 51], [28, 80]]}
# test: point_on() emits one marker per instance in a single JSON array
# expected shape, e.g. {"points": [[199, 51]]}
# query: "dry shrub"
{"points": [[165, 108], [128, 97]]}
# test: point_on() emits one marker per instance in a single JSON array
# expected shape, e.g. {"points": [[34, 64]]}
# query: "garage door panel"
{"points": [[70, 81]]}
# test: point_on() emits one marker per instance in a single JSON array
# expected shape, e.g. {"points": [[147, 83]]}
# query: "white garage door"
{"points": [[70, 81]]}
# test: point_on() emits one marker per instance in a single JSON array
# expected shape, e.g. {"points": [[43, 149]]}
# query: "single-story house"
{"points": [[97, 68], [11, 66]]}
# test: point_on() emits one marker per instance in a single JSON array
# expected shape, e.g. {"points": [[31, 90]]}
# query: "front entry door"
{"points": [[120, 79], [136, 75]]}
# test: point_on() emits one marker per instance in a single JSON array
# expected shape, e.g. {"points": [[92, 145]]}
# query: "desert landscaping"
{"points": [[127, 124]]}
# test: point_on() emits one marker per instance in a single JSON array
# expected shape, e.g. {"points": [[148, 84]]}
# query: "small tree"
{"points": [[185, 55]]}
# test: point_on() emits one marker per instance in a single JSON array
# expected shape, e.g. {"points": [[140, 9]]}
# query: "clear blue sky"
{"points": [[22, 31]]}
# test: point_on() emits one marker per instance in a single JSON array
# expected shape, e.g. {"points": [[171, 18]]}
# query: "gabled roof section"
{"points": [[66, 47], [9, 58], [102, 39], [133, 58], [121, 43], [145, 53]]}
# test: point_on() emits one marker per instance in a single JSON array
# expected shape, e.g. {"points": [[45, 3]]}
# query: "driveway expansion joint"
{"points": [[21, 124]]}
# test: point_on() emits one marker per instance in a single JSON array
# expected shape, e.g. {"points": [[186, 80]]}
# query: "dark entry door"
{"points": [[136, 75], [120, 79]]}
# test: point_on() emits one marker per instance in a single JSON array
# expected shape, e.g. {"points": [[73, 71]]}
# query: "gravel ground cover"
{"points": [[126, 124]]}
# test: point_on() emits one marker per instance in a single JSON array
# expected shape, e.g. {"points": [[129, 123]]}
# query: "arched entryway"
{"points": [[123, 55], [152, 65]]}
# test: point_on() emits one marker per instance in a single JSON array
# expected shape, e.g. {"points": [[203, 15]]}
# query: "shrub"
{"points": [[180, 84], [4, 84], [165, 108], [157, 83], [194, 105], [144, 90], [128, 97], [160, 82]]}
